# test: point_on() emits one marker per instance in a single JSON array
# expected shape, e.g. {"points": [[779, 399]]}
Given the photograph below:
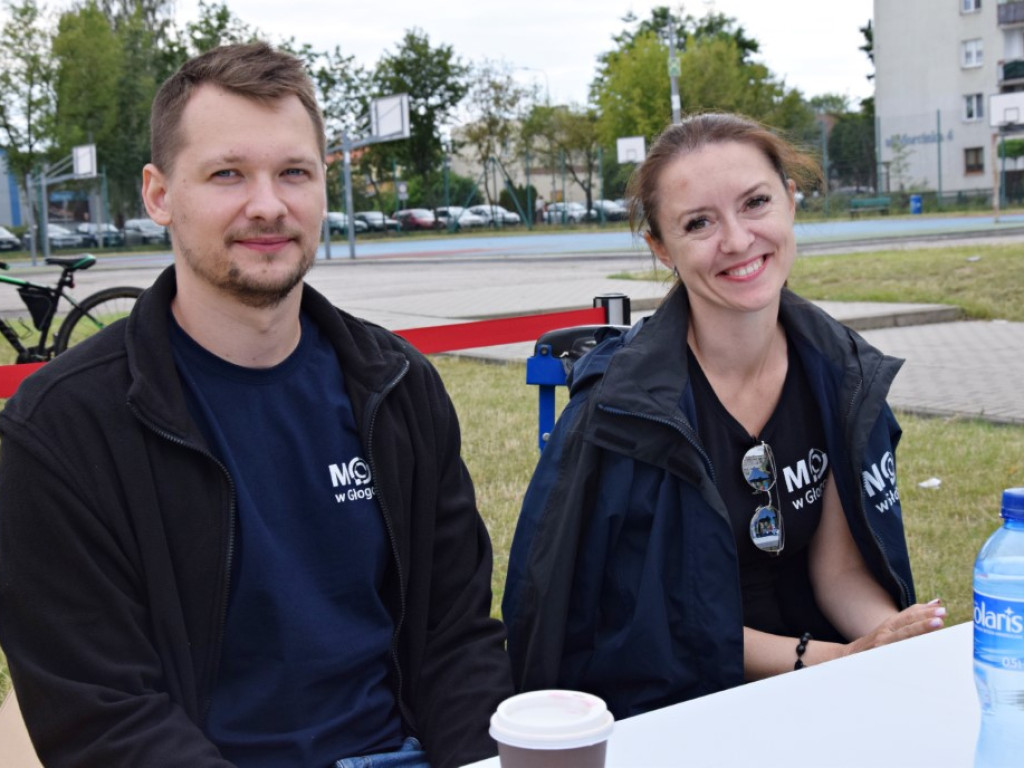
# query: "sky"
{"points": [[810, 44]]}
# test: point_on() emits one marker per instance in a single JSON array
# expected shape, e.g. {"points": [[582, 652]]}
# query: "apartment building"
{"points": [[938, 63]]}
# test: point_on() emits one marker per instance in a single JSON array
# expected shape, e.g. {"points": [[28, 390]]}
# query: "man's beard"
{"points": [[250, 291]]}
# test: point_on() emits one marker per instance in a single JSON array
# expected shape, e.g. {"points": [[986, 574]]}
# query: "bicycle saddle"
{"points": [[72, 263]]}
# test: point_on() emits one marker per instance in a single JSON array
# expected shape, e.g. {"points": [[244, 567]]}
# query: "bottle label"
{"points": [[999, 631]]}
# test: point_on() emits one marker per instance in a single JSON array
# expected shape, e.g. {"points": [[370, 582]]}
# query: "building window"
{"points": [[974, 160], [971, 53], [970, 6], [974, 106]]}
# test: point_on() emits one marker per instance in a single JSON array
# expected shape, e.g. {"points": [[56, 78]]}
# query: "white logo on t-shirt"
{"points": [[353, 479]]}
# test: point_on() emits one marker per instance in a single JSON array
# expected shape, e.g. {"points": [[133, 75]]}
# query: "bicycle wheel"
{"points": [[93, 314]]}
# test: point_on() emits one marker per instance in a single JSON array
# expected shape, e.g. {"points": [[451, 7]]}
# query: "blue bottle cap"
{"points": [[1013, 503]]}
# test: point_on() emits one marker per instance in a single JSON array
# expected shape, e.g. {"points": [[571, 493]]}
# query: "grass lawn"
{"points": [[974, 460]]}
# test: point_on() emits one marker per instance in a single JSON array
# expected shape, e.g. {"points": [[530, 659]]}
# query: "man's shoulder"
{"points": [[90, 372]]}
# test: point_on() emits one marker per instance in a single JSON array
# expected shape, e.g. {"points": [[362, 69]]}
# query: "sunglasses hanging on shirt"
{"points": [[766, 529]]}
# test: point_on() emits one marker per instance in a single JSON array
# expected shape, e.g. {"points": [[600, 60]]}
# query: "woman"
{"points": [[718, 500]]}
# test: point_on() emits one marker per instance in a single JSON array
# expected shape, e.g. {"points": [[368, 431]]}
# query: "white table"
{"points": [[908, 704]]}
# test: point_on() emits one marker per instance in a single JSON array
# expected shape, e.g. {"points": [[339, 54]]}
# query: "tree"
{"points": [[496, 103], [712, 25], [143, 68], [343, 90], [26, 87], [165, 50], [216, 26], [830, 103], [900, 163], [851, 150], [869, 44], [436, 81], [632, 91], [88, 63], [632, 88], [566, 140]]}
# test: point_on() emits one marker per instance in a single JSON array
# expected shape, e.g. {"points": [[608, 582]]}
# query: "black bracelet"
{"points": [[805, 638]]}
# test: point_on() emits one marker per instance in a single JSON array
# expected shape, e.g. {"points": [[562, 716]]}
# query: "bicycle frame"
{"points": [[42, 314]]}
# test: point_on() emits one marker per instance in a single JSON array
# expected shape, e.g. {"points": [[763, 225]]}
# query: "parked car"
{"points": [[417, 218], [612, 210], [376, 220], [457, 217], [144, 231], [91, 235], [59, 237], [337, 224], [8, 240], [496, 215], [573, 213]]}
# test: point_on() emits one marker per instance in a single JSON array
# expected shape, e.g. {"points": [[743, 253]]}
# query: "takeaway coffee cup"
{"points": [[552, 729]]}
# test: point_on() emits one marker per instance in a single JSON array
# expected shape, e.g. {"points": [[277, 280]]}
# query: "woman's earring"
{"points": [[675, 271]]}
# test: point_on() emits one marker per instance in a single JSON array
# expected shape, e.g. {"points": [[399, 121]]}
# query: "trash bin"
{"points": [[915, 203]]}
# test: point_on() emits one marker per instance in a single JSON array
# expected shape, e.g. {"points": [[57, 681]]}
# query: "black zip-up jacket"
{"points": [[116, 536], [623, 578]]}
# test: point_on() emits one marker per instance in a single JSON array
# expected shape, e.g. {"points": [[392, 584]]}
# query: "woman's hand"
{"points": [[918, 619], [765, 655]]}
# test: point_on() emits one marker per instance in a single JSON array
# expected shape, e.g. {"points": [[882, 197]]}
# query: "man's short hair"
{"points": [[253, 70]]}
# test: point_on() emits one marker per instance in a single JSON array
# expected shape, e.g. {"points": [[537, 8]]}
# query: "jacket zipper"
{"points": [[686, 432], [207, 700], [399, 682]]}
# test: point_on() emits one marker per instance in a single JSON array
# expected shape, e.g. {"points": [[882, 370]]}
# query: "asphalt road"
{"points": [[403, 276]]}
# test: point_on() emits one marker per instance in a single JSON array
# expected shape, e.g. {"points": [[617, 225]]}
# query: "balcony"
{"points": [[1012, 71], [1011, 13]]}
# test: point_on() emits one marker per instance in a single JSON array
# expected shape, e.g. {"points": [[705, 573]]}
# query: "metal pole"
{"points": [[530, 204], [44, 215], [616, 307], [996, 192], [31, 218], [447, 197], [1002, 168], [673, 72], [824, 162], [878, 158], [346, 148], [565, 202], [938, 144]]}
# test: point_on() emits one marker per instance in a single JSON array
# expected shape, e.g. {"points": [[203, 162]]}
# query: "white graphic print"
{"points": [[880, 483], [351, 480], [806, 472]]}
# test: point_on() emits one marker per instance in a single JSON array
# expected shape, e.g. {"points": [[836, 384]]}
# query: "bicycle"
{"points": [[84, 319]]}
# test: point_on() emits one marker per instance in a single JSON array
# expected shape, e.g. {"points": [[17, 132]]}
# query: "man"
{"points": [[236, 529]]}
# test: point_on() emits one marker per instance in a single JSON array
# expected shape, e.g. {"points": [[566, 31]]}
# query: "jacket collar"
{"points": [[644, 372], [156, 391]]}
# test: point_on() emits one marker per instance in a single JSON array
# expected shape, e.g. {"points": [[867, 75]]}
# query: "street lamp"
{"points": [[674, 69]]}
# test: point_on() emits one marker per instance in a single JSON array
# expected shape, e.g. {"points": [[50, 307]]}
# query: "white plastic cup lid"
{"points": [[552, 720]]}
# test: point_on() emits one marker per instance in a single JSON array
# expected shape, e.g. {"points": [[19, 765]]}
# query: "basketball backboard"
{"points": [[83, 159], [631, 149], [1006, 109], [389, 117]]}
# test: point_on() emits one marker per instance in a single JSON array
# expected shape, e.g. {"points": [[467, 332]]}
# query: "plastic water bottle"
{"points": [[999, 639]]}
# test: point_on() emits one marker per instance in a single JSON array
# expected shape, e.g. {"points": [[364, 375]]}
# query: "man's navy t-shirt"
{"points": [[304, 670]]}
